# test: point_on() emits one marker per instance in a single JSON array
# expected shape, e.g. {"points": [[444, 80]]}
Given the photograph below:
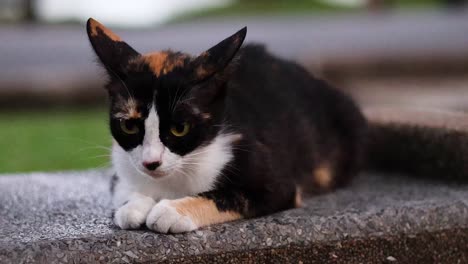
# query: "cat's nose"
{"points": [[151, 165]]}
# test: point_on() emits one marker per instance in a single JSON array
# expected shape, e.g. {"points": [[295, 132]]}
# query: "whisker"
{"points": [[123, 83], [173, 104], [227, 165], [178, 99], [92, 146], [133, 165], [203, 151], [103, 165], [170, 167], [183, 101], [78, 140], [98, 156], [183, 173], [95, 147]]}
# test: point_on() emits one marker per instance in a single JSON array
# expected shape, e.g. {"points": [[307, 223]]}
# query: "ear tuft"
{"points": [[218, 57], [111, 50]]}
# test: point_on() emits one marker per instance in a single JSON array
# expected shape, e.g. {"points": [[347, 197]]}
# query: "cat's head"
{"points": [[166, 107]]}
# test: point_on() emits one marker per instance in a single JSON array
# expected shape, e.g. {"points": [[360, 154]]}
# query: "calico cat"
{"points": [[232, 133]]}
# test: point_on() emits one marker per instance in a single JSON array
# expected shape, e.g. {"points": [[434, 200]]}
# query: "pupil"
{"points": [[129, 125], [179, 128]]}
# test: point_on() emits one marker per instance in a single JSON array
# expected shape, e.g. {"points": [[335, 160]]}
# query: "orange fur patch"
{"points": [[160, 64], [203, 211], [128, 110], [177, 62], [323, 176], [96, 25], [201, 71], [298, 197], [156, 61]]}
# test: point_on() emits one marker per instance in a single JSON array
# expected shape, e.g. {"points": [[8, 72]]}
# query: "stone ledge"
{"points": [[65, 217]]}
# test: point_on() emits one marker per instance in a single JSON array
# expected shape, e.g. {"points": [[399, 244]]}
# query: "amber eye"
{"points": [[180, 130], [128, 127]]}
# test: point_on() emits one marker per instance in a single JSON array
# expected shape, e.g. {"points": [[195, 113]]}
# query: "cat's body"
{"points": [[226, 135]]}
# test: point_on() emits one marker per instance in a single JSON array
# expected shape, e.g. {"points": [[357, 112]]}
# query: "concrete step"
{"points": [[379, 218], [65, 217]]}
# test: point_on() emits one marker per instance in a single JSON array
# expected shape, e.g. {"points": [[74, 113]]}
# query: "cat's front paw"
{"points": [[165, 218], [133, 214]]}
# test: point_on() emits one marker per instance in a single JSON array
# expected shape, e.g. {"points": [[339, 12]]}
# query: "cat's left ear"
{"points": [[218, 57], [113, 52]]}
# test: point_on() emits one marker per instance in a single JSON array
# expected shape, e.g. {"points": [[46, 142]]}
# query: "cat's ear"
{"points": [[218, 57], [111, 50]]}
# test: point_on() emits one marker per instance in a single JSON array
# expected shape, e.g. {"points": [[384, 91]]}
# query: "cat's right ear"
{"points": [[111, 50]]}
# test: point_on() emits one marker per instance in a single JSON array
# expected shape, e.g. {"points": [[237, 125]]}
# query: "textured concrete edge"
{"points": [[444, 246], [418, 117]]}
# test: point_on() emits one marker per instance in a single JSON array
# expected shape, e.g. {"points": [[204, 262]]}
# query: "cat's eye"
{"points": [[181, 129], [129, 127]]}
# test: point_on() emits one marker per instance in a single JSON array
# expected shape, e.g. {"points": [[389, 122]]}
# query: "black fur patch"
{"points": [[425, 152], [291, 124], [114, 180]]}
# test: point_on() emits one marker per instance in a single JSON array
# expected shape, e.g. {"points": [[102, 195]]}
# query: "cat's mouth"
{"points": [[155, 174]]}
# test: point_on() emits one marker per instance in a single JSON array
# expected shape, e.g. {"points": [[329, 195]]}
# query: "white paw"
{"points": [[133, 214], [164, 218]]}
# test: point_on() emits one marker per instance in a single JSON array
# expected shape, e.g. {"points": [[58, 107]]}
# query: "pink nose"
{"points": [[151, 165]]}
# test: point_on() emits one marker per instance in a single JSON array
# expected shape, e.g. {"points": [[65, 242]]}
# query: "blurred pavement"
{"points": [[43, 61]]}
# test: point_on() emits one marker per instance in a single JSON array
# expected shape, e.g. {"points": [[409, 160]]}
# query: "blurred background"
{"points": [[396, 53]]}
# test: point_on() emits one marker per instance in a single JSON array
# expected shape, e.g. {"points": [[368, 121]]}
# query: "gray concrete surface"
{"points": [[430, 92], [65, 217], [58, 59]]}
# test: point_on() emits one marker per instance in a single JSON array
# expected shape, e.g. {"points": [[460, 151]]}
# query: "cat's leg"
{"points": [[132, 214], [190, 213]]}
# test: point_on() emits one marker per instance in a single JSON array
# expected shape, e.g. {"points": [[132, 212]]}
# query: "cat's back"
{"points": [[263, 80], [276, 90], [260, 70], [284, 112]]}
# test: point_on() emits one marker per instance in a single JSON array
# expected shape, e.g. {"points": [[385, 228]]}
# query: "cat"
{"points": [[232, 133]]}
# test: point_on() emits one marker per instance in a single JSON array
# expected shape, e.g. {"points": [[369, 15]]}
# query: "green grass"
{"points": [[285, 7], [251, 8], [53, 140], [417, 3]]}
